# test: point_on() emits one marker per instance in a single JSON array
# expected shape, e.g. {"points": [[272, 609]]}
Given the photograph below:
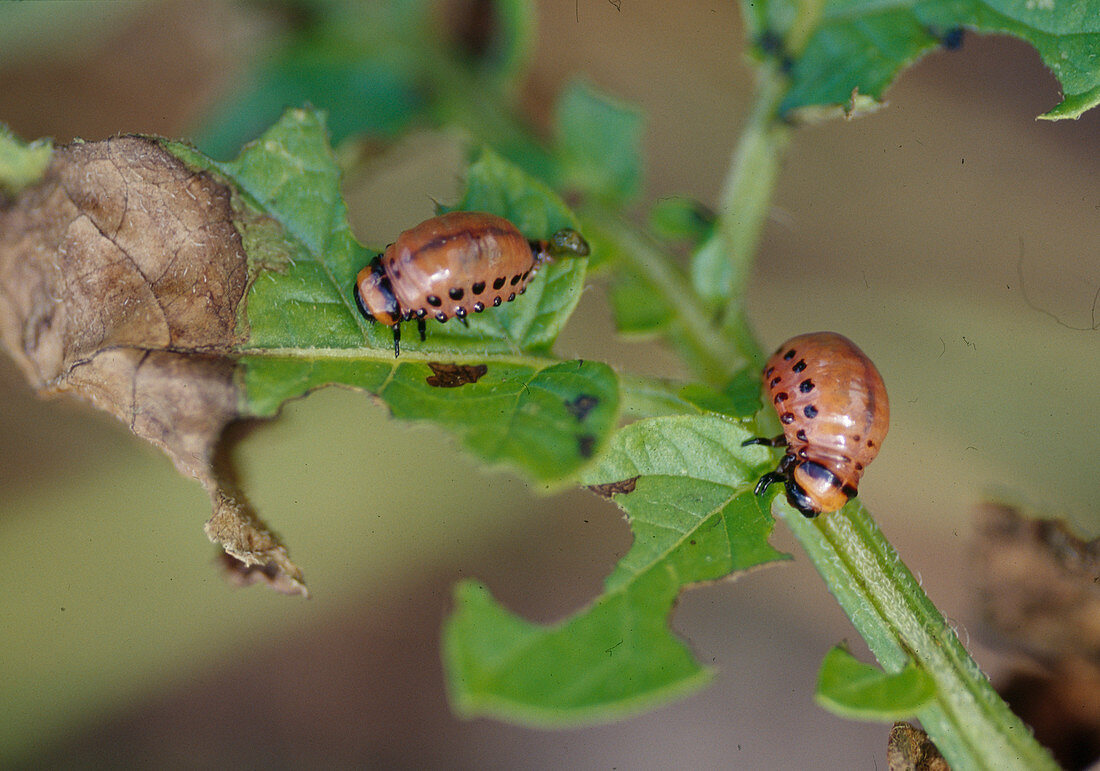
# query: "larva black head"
{"points": [[374, 294], [810, 487], [376, 301], [814, 489]]}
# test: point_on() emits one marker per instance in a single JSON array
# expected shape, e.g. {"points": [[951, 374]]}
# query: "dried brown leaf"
{"points": [[121, 277], [910, 749], [1039, 585], [1039, 593]]}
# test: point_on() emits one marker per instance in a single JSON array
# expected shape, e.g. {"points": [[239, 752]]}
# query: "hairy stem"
{"points": [[712, 354], [750, 184], [968, 721]]}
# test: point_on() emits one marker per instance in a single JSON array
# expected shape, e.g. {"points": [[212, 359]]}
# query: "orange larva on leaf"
{"points": [[832, 403], [451, 265]]}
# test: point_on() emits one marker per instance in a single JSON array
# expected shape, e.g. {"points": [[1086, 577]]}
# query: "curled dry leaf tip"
{"points": [[121, 279]]}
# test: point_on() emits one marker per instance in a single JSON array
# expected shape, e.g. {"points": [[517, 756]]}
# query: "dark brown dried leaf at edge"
{"points": [[120, 277], [910, 749], [1039, 593]]}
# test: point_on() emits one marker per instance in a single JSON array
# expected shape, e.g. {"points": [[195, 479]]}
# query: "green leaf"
{"points": [[295, 231], [598, 142], [301, 329], [863, 44], [739, 399], [678, 218], [377, 68], [508, 52], [712, 270], [362, 63], [637, 308], [21, 163], [685, 484], [849, 688], [548, 421], [300, 249], [533, 321]]}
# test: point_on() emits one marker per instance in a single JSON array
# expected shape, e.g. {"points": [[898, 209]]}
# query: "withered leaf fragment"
{"points": [[1039, 590], [1038, 585], [121, 277], [910, 749], [622, 487]]}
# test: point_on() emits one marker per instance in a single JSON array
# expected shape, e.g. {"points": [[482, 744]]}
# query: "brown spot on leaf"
{"points": [[454, 375], [622, 487], [586, 445], [121, 277]]}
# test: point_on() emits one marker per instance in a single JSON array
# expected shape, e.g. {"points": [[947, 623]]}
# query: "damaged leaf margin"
{"points": [[121, 279], [180, 294], [685, 485], [21, 163]]}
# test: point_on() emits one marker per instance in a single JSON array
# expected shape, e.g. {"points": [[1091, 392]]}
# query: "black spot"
{"points": [[810, 411], [857, 438], [396, 274], [499, 283], [801, 365], [787, 418], [523, 289], [803, 454], [780, 397], [434, 301], [479, 307], [788, 355], [773, 46], [421, 312], [586, 444], [581, 406], [870, 443], [526, 273], [768, 372], [953, 38], [806, 386], [859, 467], [478, 287], [775, 382], [441, 317], [511, 296], [460, 312], [515, 280], [496, 301], [456, 293], [801, 435], [846, 459]]}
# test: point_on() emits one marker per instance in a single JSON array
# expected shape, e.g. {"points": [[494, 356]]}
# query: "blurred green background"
{"points": [[917, 231]]}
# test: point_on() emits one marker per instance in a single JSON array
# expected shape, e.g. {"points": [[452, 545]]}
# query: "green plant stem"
{"points": [[713, 355], [968, 721], [746, 198]]}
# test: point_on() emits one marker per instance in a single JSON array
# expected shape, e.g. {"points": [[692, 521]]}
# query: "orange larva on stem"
{"points": [[832, 403], [451, 265]]}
